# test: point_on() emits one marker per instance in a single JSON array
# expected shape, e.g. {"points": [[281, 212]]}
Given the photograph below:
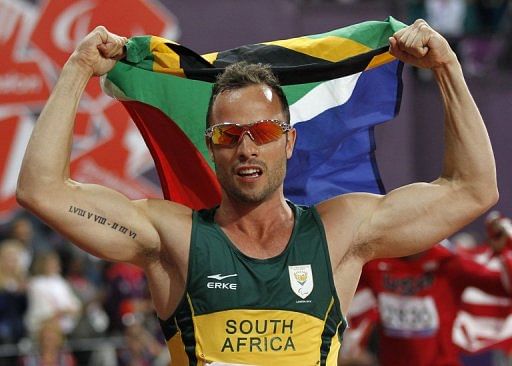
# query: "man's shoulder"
{"points": [[165, 212], [347, 201], [163, 206], [344, 212]]}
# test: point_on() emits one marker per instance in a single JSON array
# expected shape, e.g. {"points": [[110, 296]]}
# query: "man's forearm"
{"points": [[47, 156], [468, 155]]}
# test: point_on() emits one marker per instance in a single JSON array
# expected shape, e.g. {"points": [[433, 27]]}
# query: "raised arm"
{"points": [[411, 218], [101, 221], [464, 272]]}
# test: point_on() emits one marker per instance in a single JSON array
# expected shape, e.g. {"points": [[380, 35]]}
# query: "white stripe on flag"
{"points": [[325, 96]]}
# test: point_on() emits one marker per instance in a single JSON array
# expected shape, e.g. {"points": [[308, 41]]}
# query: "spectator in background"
{"points": [[485, 20], [479, 307], [463, 242], [23, 231], [505, 54], [50, 350], [13, 298], [447, 17], [488, 15], [499, 232], [94, 320], [50, 296], [418, 298], [127, 297], [141, 348]]}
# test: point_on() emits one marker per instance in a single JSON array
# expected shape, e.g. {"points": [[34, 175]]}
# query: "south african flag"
{"points": [[339, 85]]}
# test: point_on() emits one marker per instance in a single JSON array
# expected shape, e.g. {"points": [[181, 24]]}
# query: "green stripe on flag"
{"points": [[185, 101], [373, 34], [138, 52], [297, 91]]}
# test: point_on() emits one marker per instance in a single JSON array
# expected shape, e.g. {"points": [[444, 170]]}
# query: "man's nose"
{"points": [[246, 145]]}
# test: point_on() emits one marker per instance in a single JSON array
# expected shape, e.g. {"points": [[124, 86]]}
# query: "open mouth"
{"points": [[249, 172]]}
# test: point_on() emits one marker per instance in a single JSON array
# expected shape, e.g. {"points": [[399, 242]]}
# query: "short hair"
{"points": [[242, 74]]}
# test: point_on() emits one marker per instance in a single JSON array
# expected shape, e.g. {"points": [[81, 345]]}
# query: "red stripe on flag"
{"points": [[492, 311], [185, 176]]}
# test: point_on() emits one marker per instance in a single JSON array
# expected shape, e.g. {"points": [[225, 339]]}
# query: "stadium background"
{"points": [[37, 36]]}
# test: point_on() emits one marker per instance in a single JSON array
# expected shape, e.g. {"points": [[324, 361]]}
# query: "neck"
{"points": [[260, 230], [255, 214]]}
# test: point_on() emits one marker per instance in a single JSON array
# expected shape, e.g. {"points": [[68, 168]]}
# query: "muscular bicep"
{"points": [[101, 221], [405, 221], [412, 218]]}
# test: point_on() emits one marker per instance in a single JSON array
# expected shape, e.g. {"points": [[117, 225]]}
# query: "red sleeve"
{"points": [[465, 272]]}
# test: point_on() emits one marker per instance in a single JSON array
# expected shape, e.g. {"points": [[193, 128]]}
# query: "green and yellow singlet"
{"points": [[239, 310]]}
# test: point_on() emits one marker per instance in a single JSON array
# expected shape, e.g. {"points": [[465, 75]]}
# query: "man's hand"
{"points": [[99, 51], [421, 46]]}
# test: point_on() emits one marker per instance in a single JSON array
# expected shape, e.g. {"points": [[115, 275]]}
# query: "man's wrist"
{"points": [[77, 67], [73, 79], [452, 65]]}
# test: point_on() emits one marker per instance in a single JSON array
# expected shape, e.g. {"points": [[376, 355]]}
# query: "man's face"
{"points": [[248, 172]]}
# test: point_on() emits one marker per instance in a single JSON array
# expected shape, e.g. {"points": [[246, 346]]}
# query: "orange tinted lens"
{"points": [[265, 132], [261, 132], [226, 134]]}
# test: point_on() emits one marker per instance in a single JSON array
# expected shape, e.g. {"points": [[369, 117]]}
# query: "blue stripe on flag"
{"points": [[334, 153]]}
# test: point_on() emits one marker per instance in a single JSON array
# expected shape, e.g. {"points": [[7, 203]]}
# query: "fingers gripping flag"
{"points": [[339, 85]]}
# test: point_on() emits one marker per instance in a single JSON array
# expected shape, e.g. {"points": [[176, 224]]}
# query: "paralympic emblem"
{"points": [[301, 280]]}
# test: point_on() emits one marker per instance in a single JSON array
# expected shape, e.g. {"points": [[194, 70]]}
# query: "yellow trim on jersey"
{"points": [[259, 337], [176, 348]]}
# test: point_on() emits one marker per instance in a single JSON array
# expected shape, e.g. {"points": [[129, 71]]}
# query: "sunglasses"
{"points": [[261, 132]]}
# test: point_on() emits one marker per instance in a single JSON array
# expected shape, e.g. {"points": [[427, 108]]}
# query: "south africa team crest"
{"points": [[301, 280]]}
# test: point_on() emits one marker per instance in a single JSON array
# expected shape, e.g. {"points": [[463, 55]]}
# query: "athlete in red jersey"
{"points": [[499, 232], [418, 298], [485, 321]]}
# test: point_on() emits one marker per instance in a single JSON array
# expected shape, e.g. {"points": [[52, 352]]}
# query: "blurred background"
{"points": [[55, 298]]}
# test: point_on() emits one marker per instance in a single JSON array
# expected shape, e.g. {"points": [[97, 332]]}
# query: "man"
{"points": [[418, 299], [260, 303], [483, 322], [499, 232]]}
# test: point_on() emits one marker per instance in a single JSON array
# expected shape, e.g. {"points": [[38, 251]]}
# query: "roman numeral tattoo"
{"points": [[100, 220]]}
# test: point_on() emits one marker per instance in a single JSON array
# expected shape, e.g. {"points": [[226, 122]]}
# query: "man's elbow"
{"points": [[25, 196], [31, 195], [486, 197], [494, 196]]}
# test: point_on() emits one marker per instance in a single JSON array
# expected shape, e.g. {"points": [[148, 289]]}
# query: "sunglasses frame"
{"points": [[285, 127]]}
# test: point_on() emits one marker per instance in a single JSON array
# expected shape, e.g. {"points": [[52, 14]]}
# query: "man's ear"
{"points": [[291, 136], [209, 147]]}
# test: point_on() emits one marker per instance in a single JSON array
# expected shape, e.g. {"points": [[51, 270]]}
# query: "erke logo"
{"points": [[221, 285]]}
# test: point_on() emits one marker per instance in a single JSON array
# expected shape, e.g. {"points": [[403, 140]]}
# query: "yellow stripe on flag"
{"points": [[329, 48], [379, 60], [164, 59], [210, 57]]}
